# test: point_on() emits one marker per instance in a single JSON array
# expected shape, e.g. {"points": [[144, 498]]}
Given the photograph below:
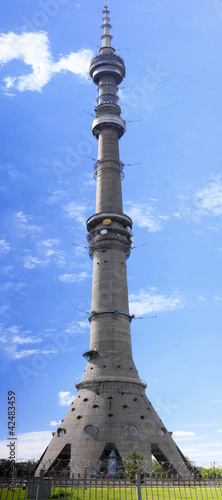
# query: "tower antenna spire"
{"points": [[106, 26]]}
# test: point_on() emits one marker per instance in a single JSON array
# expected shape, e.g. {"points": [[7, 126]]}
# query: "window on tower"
{"points": [[162, 432], [90, 430], [130, 430], [61, 432]]}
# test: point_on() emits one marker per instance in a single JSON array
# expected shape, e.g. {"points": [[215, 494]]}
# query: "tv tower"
{"points": [[111, 414]]}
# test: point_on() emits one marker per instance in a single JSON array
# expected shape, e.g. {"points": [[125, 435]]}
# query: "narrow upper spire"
{"points": [[106, 26]]}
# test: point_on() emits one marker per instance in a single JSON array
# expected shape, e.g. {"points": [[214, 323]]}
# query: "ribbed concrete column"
{"points": [[109, 280], [109, 194]]}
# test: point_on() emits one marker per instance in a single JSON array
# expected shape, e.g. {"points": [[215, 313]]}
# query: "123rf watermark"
{"points": [[12, 440]]}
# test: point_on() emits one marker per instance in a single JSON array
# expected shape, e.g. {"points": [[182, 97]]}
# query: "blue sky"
{"points": [[172, 52]]}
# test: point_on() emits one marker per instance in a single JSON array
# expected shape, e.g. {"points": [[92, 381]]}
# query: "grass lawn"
{"points": [[122, 493]]}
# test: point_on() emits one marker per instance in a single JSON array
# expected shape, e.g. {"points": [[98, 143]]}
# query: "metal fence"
{"points": [[139, 488]]}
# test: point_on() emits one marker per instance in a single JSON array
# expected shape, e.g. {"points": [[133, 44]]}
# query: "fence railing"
{"points": [[139, 488]]}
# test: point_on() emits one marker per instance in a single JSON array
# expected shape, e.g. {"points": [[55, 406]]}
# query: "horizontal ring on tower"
{"points": [[94, 314], [109, 64], [108, 121], [124, 380], [96, 219], [119, 167]]}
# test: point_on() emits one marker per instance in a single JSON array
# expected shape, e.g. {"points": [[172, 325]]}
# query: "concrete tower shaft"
{"points": [[109, 193], [109, 229]]}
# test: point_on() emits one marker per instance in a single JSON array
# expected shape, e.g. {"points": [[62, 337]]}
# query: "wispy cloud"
{"points": [[183, 434], [90, 182], [84, 324], [200, 297], [25, 340], [26, 225], [4, 246], [4, 309], [201, 425], [50, 242], [65, 398], [47, 252], [146, 302], [14, 354], [76, 211], [18, 344], [216, 297], [12, 285], [208, 200], [29, 445], [143, 215], [31, 262], [34, 50], [204, 202], [72, 278], [57, 196]]}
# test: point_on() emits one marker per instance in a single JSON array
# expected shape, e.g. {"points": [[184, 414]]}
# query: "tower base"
{"points": [[103, 425]]}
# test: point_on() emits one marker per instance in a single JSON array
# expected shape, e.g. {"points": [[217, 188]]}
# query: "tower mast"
{"points": [[109, 231], [111, 414]]}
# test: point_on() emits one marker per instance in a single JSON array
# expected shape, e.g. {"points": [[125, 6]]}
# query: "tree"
{"points": [[158, 469], [133, 465]]}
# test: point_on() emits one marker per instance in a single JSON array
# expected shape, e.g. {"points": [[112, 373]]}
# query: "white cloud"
{"points": [[200, 297], [6, 270], [76, 62], [50, 242], [31, 262], [26, 226], [45, 258], [29, 445], [84, 324], [72, 278], [29, 352], [146, 302], [4, 309], [65, 398], [49, 253], [13, 338], [22, 354], [34, 50], [203, 452], [19, 340], [205, 202], [88, 183], [209, 199], [73, 328], [18, 343], [183, 434], [76, 211], [219, 430], [4, 246], [216, 297], [201, 425], [54, 423], [18, 287], [142, 215], [57, 196]]}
